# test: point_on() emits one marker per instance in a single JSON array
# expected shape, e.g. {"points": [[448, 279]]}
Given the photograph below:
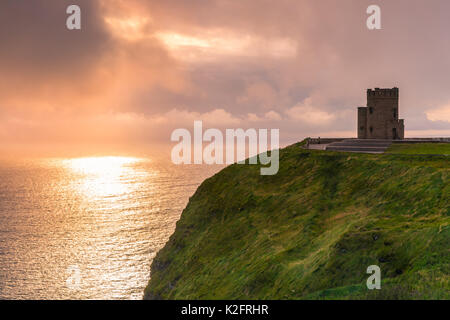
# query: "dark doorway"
{"points": [[394, 133]]}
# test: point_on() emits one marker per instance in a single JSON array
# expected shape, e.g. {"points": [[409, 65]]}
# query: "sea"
{"points": [[88, 228]]}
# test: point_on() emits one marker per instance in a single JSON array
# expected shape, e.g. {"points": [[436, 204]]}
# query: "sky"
{"points": [[139, 69]]}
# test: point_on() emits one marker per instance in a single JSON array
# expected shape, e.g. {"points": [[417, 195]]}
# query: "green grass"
{"points": [[310, 231], [419, 148]]}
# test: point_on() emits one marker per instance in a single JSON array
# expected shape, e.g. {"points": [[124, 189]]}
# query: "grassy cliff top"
{"points": [[311, 231], [420, 148]]}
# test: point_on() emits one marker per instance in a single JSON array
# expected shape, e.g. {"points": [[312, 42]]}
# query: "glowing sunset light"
{"points": [[128, 28], [216, 42], [99, 165], [104, 176]]}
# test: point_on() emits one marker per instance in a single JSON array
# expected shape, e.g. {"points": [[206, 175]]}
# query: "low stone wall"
{"points": [[406, 140], [325, 140], [422, 140]]}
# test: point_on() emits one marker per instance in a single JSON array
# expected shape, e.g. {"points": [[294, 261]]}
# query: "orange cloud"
{"points": [[138, 68]]}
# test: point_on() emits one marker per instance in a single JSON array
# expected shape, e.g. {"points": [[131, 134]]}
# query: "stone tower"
{"points": [[379, 120]]}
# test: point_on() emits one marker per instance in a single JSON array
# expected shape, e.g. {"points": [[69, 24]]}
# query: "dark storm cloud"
{"points": [[36, 42]]}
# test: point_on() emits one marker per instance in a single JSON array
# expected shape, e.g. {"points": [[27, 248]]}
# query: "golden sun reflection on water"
{"points": [[112, 189], [104, 177], [100, 164]]}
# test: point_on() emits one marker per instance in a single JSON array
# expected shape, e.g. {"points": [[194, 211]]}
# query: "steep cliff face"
{"points": [[311, 231]]}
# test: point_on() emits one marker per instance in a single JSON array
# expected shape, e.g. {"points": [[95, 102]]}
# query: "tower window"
{"points": [[370, 110], [371, 129], [361, 128]]}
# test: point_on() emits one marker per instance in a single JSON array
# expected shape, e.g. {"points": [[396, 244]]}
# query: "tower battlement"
{"points": [[377, 92]]}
